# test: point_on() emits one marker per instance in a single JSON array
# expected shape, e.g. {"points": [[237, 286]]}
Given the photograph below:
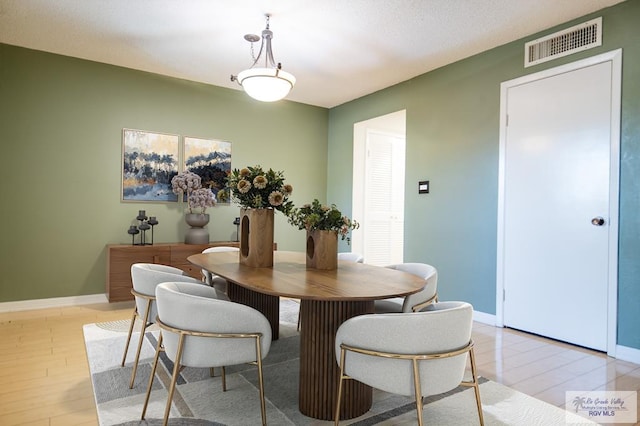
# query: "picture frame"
{"points": [[149, 161], [211, 160]]}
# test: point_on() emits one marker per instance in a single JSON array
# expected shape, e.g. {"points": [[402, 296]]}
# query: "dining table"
{"points": [[327, 299]]}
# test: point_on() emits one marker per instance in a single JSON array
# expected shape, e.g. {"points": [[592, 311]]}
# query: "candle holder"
{"points": [[144, 226], [133, 230], [142, 215], [146, 223], [236, 222], [152, 222]]}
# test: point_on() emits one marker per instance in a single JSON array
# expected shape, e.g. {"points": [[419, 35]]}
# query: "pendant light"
{"points": [[264, 80]]}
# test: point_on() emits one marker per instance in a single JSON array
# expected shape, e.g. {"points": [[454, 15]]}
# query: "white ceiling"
{"points": [[338, 50]]}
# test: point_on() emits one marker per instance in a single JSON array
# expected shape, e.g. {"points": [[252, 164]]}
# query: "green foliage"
{"points": [[252, 187], [316, 216]]}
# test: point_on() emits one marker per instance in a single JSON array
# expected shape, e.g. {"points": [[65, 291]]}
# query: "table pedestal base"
{"points": [[267, 304], [319, 372]]}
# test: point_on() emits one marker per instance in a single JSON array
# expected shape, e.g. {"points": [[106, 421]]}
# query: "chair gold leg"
{"points": [[143, 328], [174, 379], [126, 347], [263, 407], [212, 372], [153, 373], [418, 390], [339, 397], [476, 388]]}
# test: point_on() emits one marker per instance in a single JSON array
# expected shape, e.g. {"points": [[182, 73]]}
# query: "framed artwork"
{"points": [[149, 161], [211, 160]]}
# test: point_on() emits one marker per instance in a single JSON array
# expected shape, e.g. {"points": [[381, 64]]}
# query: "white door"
{"points": [[378, 188], [557, 205], [384, 199]]}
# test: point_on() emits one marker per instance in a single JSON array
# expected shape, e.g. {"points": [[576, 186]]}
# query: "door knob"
{"points": [[597, 221]]}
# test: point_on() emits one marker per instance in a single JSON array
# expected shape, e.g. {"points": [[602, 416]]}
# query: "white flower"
{"points": [[276, 198]]}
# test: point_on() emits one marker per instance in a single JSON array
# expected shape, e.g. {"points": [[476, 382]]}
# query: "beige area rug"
{"points": [[199, 399]]}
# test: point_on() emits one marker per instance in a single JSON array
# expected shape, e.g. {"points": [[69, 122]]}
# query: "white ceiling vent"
{"points": [[571, 40]]}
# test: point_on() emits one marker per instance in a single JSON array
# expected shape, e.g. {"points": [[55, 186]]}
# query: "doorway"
{"points": [[378, 188], [558, 202]]}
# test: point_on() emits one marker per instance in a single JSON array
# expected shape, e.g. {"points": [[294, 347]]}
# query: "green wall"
{"points": [[453, 141], [61, 122]]}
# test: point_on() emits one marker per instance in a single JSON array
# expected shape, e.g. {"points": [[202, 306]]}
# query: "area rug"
{"points": [[199, 399]]}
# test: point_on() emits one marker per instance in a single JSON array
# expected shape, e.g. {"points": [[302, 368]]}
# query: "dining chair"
{"points": [[351, 256], [413, 354], [215, 281], [412, 302], [145, 277], [199, 330]]}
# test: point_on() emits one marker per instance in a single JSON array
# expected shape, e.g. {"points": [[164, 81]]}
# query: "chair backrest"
{"points": [[351, 256], [219, 249], [214, 280], [194, 307], [440, 327], [146, 276], [430, 290]]}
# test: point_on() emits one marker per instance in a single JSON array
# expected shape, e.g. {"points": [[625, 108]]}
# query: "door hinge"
{"points": [[503, 295], [507, 121]]}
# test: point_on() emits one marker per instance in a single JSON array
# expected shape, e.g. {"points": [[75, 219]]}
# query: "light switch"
{"points": [[423, 187]]}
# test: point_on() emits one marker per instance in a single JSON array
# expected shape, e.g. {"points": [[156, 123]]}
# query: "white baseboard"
{"points": [[484, 318], [626, 353], [54, 302]]}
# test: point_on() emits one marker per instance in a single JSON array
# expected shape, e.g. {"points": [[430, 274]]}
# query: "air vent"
{"points": [[571, 40]]}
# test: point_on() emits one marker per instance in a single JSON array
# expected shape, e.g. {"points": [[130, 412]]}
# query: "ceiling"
{"points": [[338, 50]]}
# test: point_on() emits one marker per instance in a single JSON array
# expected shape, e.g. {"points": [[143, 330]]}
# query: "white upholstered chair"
{"points": [[414, 354], [198, 330], [351, 256], [145, 277], [219, 283], [413, 302]]}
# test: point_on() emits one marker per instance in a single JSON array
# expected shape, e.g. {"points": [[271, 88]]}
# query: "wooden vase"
{"points": [[256, 237], [322, 249]]}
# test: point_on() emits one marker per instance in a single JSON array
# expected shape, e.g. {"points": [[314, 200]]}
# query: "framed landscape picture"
{"points": [[149, 161], [210, 159]]}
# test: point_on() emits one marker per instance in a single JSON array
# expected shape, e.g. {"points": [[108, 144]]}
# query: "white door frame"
{"points": [[615, 57]]}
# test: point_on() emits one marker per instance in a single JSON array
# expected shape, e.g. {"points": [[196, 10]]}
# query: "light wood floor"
{"points": [[45, 377]]}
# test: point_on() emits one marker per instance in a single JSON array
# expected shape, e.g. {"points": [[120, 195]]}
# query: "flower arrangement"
{"points": [[253, 187], [190, 184], [316, 216]]}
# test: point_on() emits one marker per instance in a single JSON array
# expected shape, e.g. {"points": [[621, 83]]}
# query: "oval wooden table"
{"points": [[328, 298]]}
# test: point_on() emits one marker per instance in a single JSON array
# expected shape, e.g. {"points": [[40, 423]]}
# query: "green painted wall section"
{"points": [[61, 122], [453, 141]]}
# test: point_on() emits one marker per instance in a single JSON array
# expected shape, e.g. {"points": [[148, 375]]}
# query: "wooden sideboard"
{"points": [[120, 257]]}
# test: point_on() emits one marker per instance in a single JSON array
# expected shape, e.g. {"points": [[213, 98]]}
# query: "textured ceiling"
{"points": [[339, 50]]}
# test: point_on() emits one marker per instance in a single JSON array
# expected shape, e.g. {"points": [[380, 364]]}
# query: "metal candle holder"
{"points": [[146, 223], [133, 230], [236, 222], [152, 222]]}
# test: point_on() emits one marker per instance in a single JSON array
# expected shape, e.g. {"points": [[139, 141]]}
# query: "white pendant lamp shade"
{"points": [[266, 84]]}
